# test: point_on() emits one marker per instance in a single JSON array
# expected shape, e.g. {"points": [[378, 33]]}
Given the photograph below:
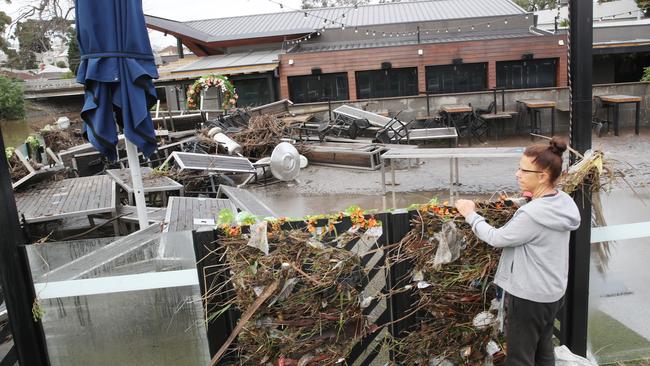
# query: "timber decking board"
{"points": [[216, 163], [67, 198], [154, 214], [181, 212], [245, 201]]}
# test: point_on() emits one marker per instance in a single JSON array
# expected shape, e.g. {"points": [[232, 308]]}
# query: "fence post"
{"points": [[580, 91]]}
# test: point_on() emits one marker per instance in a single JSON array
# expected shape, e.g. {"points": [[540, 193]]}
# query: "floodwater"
{"points": [[14, 132]]}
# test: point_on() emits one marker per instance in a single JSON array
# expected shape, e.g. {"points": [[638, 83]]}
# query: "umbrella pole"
{"points": [[136, 178]]}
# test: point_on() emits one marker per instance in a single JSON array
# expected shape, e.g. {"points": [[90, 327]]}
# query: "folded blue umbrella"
{"points": [[117, 68]]}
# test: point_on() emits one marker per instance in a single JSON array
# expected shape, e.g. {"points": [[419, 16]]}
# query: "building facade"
{"points": [[373, 51]]}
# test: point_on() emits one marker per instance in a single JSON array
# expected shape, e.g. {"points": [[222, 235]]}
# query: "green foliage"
{"points": [[9, 152], [534, 5], [74, 55], [225, 217], [5, 20], [61, 64], [12, 102], [644, 5], [564, 22], [646, 74]]}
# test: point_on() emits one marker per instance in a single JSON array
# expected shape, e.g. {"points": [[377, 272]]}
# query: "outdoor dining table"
{"points": [[614, 101], [454, 115], [452, 154], [151, 183], [533, 108]]}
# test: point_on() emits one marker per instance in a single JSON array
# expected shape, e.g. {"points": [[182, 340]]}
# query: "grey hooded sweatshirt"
{"points": [[534, 264]]}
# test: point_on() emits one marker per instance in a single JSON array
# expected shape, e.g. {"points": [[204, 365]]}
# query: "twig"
{"points": [[244, 319]]}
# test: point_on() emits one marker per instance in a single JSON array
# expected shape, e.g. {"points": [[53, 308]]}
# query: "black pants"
{"points": [[529, 331]]}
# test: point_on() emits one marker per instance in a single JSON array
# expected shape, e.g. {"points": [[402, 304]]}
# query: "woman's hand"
{"points": [[465, 207]]}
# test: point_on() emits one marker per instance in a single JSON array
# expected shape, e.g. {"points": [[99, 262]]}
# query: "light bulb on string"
{"points": [[505, 21], [356, 30], [367, 32], [488, 25]]}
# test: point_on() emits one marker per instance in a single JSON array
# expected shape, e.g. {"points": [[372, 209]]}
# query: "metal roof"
{"points": [[621, 9], [384, 42], [235, 63], [295, 22]]}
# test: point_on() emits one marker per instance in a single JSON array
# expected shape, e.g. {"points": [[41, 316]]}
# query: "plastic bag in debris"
{"points": [[259, 238], [449, 244], [564, 357]]}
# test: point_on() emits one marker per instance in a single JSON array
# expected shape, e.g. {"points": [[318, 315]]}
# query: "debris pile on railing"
{"points": [[299, 293]]}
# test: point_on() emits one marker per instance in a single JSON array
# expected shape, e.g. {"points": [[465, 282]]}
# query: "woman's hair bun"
{"points": [[557, 146]]}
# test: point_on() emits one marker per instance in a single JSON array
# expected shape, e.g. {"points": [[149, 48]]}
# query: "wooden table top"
{"points": [[55, 200], [537, 103], [150, 181], [617, 98], [456, 108]]}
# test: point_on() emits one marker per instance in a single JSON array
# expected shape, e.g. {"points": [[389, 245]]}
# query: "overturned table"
{"points": [[452, 154], [75, 197]]}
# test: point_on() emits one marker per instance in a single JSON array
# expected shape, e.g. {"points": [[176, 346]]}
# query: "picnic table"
{"points": [[533, 109], [50, 201], [458, 116], [151, 182], [452, 154], [614, 101]]}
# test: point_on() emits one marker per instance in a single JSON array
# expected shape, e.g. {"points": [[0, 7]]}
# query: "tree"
{"points": [[646, 74], [12, 103], [37, 24], [535, 5], [644, 5], [74, 55], [5, 20]]}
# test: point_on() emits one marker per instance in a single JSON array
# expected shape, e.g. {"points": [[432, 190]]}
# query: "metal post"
{"points": [[136, 179], [17, 283], [418, 35], [179, 46], [580, 92]]}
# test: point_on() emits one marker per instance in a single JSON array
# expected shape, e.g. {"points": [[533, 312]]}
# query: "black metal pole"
{"points": [[16, 278], [179, 46], [580, 94]]}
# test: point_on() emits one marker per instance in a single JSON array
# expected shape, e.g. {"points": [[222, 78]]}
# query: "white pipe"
{"points": [[136, 178], [157, 107]]}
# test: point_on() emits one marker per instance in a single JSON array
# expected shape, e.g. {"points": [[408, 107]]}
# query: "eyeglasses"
{"points": [[529, 171]]}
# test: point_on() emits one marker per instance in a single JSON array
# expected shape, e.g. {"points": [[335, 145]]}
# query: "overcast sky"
{"points": [[186, 10]]}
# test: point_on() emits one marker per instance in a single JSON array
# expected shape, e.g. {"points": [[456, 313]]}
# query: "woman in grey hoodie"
{"points": [[534, 264]]}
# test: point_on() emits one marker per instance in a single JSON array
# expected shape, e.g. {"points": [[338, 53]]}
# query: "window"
{"points": [[318, 88], [387, 83], [253, 91], [527, 74], [457, 78]]}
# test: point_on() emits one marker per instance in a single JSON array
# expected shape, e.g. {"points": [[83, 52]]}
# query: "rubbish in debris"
{"points": [[285, 162]]}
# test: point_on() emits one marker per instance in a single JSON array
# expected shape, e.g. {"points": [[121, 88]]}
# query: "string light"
{"points": [[333, 22]]}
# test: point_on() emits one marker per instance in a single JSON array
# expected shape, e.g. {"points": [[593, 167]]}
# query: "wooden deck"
{"points": [[67, 198], [190, 213]]}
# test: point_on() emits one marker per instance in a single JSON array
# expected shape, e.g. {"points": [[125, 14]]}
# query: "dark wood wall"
{"points": [[489, 51]]}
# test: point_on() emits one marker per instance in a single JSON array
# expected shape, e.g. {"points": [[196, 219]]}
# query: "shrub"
{"points": [[12, 102]]}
